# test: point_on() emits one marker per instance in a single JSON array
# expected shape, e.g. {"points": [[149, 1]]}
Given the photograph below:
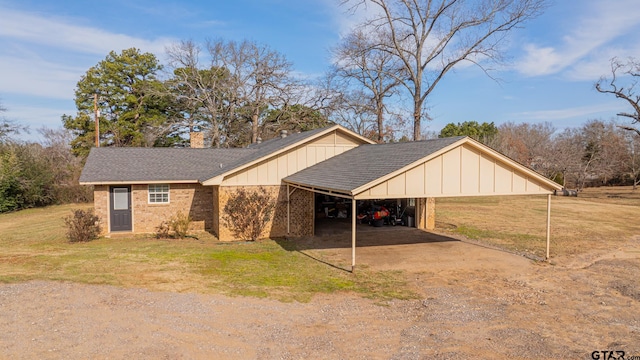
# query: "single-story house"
{"points": [[135, 189]]}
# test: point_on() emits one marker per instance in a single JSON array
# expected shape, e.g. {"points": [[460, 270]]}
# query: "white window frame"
{"points": [[157, 192]]}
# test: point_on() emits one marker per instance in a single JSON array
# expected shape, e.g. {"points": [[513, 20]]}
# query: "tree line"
{"points": [[38, 174]]}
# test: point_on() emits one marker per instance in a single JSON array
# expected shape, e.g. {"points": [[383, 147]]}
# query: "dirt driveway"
{"points": [[475, 302]]}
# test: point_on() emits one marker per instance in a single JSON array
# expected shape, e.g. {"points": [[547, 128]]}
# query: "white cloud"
{"points": [[60, 33], [559, 114], [585, 51], [38, 77], [347, 16], [46, 56]]}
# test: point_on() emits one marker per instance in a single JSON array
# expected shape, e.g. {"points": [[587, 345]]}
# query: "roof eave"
{"points": [[138, 182], [213, 181]]}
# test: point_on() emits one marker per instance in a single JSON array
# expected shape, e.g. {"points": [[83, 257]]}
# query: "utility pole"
{"points": [[95, 110]]}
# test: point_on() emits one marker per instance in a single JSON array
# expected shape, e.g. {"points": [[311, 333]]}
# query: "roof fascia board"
{"points": [[321, 191], [353, 134], [391, 196], [138, 182]]}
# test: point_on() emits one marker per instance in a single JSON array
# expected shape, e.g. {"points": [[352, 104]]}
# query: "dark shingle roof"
{"points": [[111, 164], [366, 163]]}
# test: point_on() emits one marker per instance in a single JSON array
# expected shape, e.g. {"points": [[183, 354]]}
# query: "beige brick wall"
{"points": [[216, 210], [192, 199], [302, 216], [101, 206]]}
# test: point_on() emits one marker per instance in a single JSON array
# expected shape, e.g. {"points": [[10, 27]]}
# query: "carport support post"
{"points": [[353, 235], [288, 211], [548, 224]]}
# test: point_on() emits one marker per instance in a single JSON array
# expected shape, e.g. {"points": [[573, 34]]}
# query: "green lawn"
{"points": [[33, 246]]}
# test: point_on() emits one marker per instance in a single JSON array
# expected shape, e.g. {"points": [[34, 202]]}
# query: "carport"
{"points": [[424, 170]]}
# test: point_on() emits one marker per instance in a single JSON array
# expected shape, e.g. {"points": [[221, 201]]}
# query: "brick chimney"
{"points": [[196, 140]]}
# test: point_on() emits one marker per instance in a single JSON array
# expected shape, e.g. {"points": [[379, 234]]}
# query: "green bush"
{"points": [[82, 226]]}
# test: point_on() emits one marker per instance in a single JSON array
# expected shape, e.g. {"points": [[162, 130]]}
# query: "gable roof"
{"points": [[366, 163], [275, 147], [111, 165], [366, 166]]}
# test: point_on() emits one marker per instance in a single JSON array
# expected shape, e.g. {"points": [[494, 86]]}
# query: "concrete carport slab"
{"points": [[404, 248]]}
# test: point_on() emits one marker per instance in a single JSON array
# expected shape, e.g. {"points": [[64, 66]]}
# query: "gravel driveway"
{"points": [[519, 309]]}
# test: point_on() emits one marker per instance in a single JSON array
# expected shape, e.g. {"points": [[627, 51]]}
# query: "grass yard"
{"points": [[33, 246], [598, 219]]}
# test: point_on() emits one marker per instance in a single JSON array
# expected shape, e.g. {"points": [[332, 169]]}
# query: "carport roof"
{"points": [[366, 163]]}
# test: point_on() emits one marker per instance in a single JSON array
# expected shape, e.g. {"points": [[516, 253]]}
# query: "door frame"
{"points": [[111, 210]]}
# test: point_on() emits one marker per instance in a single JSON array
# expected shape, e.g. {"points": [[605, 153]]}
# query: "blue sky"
{"points": [[46, 46]]}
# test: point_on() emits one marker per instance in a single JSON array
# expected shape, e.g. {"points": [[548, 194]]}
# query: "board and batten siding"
{"points": [[462, 171], [273, 170]]}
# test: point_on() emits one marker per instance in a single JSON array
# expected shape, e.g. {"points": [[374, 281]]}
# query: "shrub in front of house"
{"points": [[82, 225], [248, 212], [176, 227]]}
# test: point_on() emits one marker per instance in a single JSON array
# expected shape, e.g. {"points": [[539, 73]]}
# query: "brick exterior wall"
{"points": [[101, 206], [302, 216], [192, 199], [215, 204], [205, 205]]}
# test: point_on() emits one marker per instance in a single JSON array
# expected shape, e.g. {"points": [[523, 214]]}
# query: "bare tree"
{"points": [[202, 90], [261, 78], [431, 37], [592, 154], [8, 127], [622, 84], [358, 60], [632, 161], [529, 144], [568, 151]]}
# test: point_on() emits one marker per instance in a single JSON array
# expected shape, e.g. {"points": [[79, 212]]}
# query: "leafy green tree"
{"points": [[129, 107], [10, 188], [26, 179], [482, 132]]}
